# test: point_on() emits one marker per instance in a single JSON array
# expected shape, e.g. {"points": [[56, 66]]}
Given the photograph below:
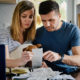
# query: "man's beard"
{"points": [[51, 28]]}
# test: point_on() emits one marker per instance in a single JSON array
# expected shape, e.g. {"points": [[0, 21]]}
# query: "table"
{"points": [[44, 74]]}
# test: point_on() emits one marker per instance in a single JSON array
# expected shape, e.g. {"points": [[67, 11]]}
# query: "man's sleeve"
{"points": [[75, 41]]}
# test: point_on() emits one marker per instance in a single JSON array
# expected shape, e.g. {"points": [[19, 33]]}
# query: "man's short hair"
{"points": [[48, 6]]}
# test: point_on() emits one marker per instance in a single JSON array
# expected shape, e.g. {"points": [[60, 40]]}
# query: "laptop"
{"points": [[2, 63]]}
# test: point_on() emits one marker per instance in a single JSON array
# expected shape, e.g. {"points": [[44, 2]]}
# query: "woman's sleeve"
{"points": [[3, 37], [6, 39]]}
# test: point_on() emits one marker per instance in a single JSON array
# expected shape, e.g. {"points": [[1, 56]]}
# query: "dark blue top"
{"points": [[60, 41], [2, 63]]}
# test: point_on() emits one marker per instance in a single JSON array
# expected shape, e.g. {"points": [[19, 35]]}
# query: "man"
{"points": [[60, 40]]}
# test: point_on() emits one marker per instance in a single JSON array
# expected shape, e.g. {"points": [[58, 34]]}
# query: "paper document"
{"points": [[43, 74], [37, 57]]}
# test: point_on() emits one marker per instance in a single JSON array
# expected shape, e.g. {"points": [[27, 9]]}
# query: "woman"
{"points": [[21, 30]]}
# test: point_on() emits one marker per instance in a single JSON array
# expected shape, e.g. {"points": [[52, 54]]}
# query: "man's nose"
{"points": [[47, 23]]}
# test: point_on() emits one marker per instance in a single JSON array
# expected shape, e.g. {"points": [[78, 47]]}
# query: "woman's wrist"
{"points": [[19, 62]]}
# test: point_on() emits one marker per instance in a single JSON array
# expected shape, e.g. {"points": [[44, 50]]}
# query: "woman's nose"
{"points": [[27, 19]]}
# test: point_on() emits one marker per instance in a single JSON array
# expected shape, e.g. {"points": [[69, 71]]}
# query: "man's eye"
{"points": [[51, 20], [43, 21]]}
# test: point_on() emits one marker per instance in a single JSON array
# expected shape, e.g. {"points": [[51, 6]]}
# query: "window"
{"points": [[63, 8]]}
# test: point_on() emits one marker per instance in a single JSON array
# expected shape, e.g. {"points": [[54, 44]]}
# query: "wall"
{"points": [[77, 1], [78, 14], [70, 11], [6, 12], [76, 10]]}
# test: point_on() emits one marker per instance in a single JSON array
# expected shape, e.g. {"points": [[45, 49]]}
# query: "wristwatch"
{"points": [[62, 56]]}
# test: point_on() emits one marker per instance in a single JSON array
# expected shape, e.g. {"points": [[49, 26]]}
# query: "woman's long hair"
{"points": [[29, 34]]}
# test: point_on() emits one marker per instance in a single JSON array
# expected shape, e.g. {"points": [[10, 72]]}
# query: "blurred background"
{"points": [[70, 11]]}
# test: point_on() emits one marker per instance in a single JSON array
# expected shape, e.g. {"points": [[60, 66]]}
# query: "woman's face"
{"points": [[26, 19]]}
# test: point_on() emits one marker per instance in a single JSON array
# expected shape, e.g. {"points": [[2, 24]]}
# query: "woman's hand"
{"points": [[26, 57], [44, 65]]}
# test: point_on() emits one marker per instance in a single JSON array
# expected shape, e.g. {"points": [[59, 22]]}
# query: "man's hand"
{"points": [[51, 56]]}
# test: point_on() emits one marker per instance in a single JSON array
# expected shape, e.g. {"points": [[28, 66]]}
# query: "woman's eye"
{"points": [[31, 16], [23, 16]]}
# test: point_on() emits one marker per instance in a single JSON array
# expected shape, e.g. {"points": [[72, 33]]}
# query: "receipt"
{"points": [[37, 57]]}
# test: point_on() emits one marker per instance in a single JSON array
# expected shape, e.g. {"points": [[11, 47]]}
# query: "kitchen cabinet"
{"points": [[8, 1]]}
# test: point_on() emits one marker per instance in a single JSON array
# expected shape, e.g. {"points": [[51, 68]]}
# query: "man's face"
{"points": [[51, 20]]}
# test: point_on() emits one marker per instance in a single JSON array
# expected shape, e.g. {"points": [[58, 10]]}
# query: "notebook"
{"points": [[2, 63]]}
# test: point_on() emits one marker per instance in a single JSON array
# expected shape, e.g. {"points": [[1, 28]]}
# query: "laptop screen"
{"points": [[2, 63]]}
